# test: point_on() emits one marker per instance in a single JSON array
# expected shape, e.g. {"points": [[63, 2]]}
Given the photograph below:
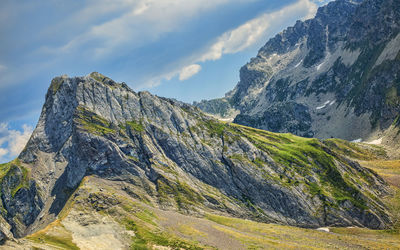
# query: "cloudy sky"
{"points": [[185, 49]]}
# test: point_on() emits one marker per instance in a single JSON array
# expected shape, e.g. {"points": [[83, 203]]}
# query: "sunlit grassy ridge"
{"points": [[358, 151], [302, 157]]}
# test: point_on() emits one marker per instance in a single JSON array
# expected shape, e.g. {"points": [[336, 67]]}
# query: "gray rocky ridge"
{"points": [[173, 156]]}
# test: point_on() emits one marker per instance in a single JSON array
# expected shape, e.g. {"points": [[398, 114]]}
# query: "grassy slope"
{"points": [[375, 158], [144, 227], [303, 157], [390, 171]]}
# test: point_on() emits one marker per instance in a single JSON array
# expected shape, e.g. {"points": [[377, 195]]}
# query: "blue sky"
{"points": [[187, 50]]}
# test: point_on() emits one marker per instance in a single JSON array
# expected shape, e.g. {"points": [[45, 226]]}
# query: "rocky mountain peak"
{"points": [[335, 75], [173, 156]]}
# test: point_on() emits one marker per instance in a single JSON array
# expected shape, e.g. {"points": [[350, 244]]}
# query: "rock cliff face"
{"points": [[171, 155], [336, 75]]}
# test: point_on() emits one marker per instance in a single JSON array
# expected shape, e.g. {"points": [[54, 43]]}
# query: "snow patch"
{"points": [[227, 119], [319, 66], [323, 229], [272, 56], [357, 140], [323, 105], [297, 65], [376, 142]]}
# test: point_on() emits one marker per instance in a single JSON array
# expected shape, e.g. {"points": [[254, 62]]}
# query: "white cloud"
{"points": [[138, 22], [3, 133], [189, 71], [18, 140], [154, 81], [101, 31], [184, 73], [256, 29], [244, 36], [15, 141], [2, 68], [3, 152]]}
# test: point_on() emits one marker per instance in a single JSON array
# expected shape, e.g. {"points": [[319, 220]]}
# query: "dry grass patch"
{"points": [[55, 236], [257, 235], [389, 170]]}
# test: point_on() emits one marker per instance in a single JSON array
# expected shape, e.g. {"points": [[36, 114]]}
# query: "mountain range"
{"points": [[108, 167]]}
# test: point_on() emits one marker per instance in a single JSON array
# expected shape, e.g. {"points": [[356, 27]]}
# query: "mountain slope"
{"points": [[336, 75], [100, 215], [171, 155]]}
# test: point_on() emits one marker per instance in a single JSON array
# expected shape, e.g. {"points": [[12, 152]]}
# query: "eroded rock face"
{"points": [[283, 116], [172, 155], [20, 200], [342, 66]]}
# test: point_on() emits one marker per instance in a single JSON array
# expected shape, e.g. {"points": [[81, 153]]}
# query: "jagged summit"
{"points": [[335, 75], [171, 155]]}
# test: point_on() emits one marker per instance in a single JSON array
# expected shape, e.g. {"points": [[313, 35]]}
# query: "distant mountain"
{"points": [[336, 75], [166, 154]]}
